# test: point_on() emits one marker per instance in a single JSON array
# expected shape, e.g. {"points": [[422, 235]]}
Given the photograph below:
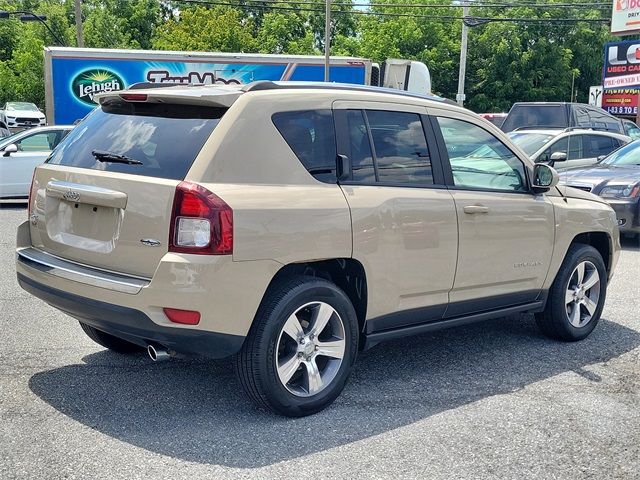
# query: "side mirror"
{"points": [[558, 157], [544, 177], [9, 149], [343, 170]]}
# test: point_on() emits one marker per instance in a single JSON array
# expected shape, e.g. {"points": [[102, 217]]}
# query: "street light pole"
{"points": [[26, 16], [460, 97], [327, 39]]}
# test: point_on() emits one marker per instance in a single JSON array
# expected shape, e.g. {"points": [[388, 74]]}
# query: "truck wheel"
{"points": [[109, 341], [576, 297], [301, 347]]}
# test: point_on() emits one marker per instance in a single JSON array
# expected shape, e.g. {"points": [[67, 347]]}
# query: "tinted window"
{"points": [[491, 165], [311, 136], [535, 116], [400, 147], [360, 148], [165, 138], [572, 145], [599, 145], [39, 142]]}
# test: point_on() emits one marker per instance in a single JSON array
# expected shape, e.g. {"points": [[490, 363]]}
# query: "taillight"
{"points": [[32, 194], [134, 97], [201, 222]]}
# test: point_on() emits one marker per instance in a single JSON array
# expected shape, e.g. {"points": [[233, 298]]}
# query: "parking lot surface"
{"points": [[493, 400]]}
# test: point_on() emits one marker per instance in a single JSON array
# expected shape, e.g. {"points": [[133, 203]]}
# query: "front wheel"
{"points": [[576, 297], [300, 350]]}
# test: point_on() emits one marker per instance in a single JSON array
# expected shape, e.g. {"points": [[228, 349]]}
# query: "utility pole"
{"points": [[78, 15], [460, 97], [327, 39]]}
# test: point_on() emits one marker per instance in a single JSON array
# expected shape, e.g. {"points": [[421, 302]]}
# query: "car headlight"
{"points": [[620, 191]]}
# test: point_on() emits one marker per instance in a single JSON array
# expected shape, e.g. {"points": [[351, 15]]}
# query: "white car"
{"points": [[21, 153], [567, 148], [18, 115]]}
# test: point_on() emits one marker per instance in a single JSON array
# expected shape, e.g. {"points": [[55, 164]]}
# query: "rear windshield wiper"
{"points": [[103, 156]]}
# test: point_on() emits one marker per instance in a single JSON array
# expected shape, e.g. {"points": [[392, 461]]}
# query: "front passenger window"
{"points": [[488, 165]]}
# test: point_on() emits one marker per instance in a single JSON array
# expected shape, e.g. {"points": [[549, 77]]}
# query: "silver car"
{"points": [[567, 148]]}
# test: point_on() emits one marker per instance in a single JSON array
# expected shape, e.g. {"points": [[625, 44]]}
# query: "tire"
{"points": [[106, 340], [281, 374], [560, 319]]}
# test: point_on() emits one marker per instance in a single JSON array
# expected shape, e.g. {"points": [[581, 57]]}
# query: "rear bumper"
{"points": [[133, 325]]}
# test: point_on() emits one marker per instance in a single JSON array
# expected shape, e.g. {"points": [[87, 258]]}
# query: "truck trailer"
{"points": [[73, 76]]}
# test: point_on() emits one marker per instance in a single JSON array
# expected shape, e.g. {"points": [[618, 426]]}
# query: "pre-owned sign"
{"points": [[625, 18]]}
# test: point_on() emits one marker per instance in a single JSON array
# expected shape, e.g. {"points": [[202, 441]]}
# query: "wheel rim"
{"points": [[310, 349], [583, 294]]}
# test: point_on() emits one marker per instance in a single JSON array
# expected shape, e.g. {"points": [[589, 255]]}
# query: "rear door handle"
{"points": [[476, 209]]}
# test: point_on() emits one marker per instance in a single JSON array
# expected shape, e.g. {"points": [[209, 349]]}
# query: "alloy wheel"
{"points": [[582, 294]]}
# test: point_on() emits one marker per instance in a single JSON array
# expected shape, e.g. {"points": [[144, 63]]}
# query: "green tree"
{"points": [[201, 29]]}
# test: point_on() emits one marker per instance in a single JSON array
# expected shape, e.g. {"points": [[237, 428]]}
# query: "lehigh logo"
{"points": [[71, 196], [97, 80]]}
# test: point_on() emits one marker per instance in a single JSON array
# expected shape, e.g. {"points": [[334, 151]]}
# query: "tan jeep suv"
{"points": [[292, 225]]}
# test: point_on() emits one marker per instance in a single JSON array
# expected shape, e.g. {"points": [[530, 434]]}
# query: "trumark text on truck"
{"points": [[73, 76]]}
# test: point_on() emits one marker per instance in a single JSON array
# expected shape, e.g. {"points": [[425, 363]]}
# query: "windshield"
{"points": [[22, 106], [530, 142], [627, 155]]}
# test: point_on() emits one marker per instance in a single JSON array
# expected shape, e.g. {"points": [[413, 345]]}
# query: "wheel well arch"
{"points": [[346, 273], [601, 241]]}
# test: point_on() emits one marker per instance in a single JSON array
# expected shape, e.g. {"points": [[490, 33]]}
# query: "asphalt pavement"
{"points": [[493, 400]]}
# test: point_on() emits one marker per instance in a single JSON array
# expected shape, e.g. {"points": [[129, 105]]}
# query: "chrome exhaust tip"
{"points": [[158, 354]]}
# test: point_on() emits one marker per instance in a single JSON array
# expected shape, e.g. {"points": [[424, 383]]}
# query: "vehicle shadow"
{"points": [[194, 410], [630, 243]]}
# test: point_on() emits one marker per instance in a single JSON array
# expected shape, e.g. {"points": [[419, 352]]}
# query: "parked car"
{"points": [[18, 115], [616, 178], [567, 148], [496, 118], [345, 221], [4, 132], [21, 153], [560, 115], [631, 129]]}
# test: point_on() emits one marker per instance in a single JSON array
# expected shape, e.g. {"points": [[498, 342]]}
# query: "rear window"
{"points": [[166, 138], [535, 116], [311, 136]]}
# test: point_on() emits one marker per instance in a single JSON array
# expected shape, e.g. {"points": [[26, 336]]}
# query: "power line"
{"points": [[413, 5], [474, 19]]}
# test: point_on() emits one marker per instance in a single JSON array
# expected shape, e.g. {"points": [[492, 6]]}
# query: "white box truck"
{"points": [[74, 75]]}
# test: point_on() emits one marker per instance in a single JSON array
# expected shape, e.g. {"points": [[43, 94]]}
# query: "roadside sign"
{"points": [[625, 17], [621, 101], [595, 95]]}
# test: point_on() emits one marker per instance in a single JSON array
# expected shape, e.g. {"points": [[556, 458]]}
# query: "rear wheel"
{"points": [[301, 347], [576, 298], [109, 341]]}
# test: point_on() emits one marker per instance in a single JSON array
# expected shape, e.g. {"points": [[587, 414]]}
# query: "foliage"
{"points": [[507, 61]]}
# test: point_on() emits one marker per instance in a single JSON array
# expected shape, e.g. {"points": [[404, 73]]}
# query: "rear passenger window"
{"points": [[387, 147], [600, 145], [400, 147], [311, 136]]}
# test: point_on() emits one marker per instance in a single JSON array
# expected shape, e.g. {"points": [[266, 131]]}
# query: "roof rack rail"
{"points": [[286, 85], [146, 85], [260, 85], [536, 127]]}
